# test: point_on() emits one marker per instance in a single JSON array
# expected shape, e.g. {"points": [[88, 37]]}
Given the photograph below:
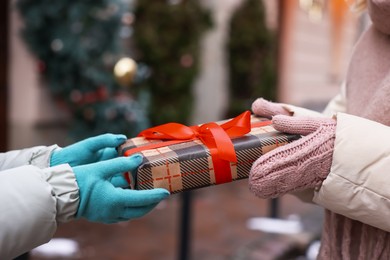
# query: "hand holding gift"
{"points": [[299, 165], [90, 150], [179, 158], [101, 201], [268, 109]]}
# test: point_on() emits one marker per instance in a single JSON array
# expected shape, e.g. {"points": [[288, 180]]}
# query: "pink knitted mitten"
{"points": [[264, 108], [302, 164]]}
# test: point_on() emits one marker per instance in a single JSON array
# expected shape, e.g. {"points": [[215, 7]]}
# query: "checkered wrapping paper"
{"points": [[188, 165]]}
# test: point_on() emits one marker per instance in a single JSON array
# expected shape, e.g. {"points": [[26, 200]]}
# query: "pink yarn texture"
{"points": [[302, 164], [264, 108]]}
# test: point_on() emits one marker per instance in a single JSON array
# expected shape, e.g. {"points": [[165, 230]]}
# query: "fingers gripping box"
{"points": [[180, 158]]}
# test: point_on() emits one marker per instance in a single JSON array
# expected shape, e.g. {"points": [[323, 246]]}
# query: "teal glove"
{"points": [[90, 150], [101, 201]]}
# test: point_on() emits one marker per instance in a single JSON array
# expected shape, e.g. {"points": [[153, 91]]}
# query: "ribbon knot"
{"points": [[214, 136]]}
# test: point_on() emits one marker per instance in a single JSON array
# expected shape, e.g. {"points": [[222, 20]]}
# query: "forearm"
{"points": [[32, 203], [357, 185]]}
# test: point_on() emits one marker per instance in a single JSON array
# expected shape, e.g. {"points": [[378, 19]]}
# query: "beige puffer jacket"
{"points": [[356, 193], [357, 186]]}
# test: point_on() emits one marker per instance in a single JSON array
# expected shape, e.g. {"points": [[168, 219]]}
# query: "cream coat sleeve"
{"points": [[300, 111], [338, 103], [358, 184]]}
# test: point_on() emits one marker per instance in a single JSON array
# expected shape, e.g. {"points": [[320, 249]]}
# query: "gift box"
{"points": [[180, 158]]}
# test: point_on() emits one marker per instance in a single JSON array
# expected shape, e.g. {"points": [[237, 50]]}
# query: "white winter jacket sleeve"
{"points": [[358, 183], [38, 156], [34, 198]]}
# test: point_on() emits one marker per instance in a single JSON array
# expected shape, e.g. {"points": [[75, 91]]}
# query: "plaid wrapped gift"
{"points": [[180, 162]]}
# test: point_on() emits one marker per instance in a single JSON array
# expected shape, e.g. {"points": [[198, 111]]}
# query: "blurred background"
{"points": [[74, 69]]}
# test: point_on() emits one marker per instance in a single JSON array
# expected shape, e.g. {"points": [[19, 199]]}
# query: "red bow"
{"points": [[216, 137], [211, 134]]}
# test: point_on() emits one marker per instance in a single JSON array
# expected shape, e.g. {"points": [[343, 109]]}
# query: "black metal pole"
{"points": [[185, 226], [274, 208], [282, 11]]}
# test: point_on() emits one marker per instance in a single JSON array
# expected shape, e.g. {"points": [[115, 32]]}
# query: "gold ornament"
{"points": [[125, 70]]}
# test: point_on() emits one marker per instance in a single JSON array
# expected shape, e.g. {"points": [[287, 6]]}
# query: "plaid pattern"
{"points": [[188, 165]]}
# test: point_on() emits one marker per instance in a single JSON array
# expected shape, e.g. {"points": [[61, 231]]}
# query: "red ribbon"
{"points": [[216, 137]]}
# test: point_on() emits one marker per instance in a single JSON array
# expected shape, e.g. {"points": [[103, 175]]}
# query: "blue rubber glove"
{"points": [[90, 150], [101, 201]]}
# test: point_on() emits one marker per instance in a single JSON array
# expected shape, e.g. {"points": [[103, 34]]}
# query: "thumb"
{"points": [[265, 108], [299, 125], [102, 141]]}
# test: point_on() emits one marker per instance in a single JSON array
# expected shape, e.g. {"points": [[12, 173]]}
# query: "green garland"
{"points": [[167, 36], [77, 53], [252, 52], [77, 44]]}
